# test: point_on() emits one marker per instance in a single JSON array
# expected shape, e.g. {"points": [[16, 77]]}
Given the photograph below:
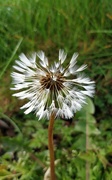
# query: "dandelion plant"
{"points": [[52, 89]]}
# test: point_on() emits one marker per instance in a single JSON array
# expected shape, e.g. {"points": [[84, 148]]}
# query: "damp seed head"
{"points": [[51, 87]]}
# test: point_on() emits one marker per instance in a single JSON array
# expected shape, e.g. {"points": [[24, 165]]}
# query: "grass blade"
{"points": [[11, 58]]}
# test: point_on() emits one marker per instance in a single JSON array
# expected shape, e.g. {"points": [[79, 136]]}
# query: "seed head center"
{"points": [[52, 82]]}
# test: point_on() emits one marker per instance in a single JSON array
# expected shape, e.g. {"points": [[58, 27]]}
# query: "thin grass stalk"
{"points": [[87, 148], [11, 121], [11, 58]]}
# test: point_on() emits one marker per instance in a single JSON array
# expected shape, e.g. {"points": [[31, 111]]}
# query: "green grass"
{"points": [[74, 26], [82, 26]]}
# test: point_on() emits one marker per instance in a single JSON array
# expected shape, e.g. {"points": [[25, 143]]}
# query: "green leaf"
{"points": [[89, 107], [88, 156], [102, 159], [92, 130], [81, 126], [3, 170], [80, 142]]}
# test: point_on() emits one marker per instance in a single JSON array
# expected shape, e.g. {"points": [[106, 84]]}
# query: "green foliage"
{"points": [[77, 145]]}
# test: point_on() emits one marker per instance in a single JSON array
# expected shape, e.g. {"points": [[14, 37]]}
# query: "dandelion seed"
{"points": [[51, 87]]}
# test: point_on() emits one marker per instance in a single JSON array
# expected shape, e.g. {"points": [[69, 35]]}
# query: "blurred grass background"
{"points": [[76, 26], [81, 26]]}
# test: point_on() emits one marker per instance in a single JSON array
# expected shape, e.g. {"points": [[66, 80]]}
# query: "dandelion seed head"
{"points": [[51, 87]]}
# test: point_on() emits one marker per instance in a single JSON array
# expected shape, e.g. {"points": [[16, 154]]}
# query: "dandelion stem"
{"points": [[51, 147]]}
